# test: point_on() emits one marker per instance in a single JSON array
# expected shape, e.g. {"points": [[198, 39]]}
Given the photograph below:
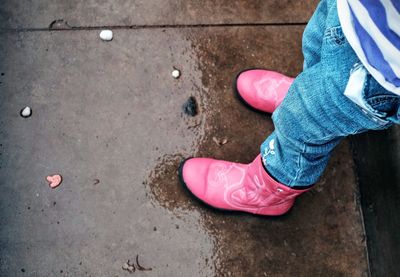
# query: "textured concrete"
{"points": [[40, 13], [108, 117], [102, 111], [112, 112]]}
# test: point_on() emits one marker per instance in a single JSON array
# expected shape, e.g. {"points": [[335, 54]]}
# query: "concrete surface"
{"points": [[111, 112], [40, 13]]}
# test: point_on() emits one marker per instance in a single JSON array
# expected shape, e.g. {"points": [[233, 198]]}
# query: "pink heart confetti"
{"points": [[54, 180]]}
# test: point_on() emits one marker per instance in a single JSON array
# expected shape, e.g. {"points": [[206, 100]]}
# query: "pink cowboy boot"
{"points": [[262, 89], [237, 187]]}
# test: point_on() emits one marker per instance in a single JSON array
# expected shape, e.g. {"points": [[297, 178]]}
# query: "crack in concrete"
{"points": [[53, 27]]}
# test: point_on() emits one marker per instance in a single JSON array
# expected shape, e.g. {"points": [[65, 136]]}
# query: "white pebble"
{"points": [[26, 112], [106, 35], [176, 73]]}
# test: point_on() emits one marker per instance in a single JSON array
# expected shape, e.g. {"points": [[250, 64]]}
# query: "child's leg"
{"points": [[310, 122], [313, 35], [316, 114]]}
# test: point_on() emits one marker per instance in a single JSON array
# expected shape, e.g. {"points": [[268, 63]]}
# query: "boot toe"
{"points": [[246, 88], [244, 85], [194, 175], [262, 89]]}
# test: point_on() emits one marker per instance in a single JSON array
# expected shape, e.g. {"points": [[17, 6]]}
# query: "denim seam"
{"points": [[324, 139], [381, 100], [296, 177], [334, 36], [375, 114]]}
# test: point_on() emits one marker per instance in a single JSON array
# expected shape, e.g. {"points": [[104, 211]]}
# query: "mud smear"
{"points": [[164, 184], [322, 235]]}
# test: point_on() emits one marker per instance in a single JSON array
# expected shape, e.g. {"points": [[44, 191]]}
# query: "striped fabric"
{"points": [[372, 28]]}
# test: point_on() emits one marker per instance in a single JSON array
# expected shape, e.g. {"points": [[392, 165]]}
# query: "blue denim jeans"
{"points": [[332, 98]]}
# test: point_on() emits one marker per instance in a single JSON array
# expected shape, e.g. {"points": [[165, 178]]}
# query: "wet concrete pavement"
{"points": [[108, 117]]}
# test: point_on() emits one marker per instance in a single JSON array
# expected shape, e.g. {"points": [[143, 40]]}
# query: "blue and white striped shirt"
{"points": [[372, 28]]}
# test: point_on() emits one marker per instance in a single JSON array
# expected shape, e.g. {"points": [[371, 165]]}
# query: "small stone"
{"points": [[190, 106], [128, 267], [176, 73], [220, 142], [285, 243], [216, 140], [26, 112], [106, 35]]}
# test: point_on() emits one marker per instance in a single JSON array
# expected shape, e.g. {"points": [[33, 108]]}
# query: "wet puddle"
{"points": [[322, 235]]}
